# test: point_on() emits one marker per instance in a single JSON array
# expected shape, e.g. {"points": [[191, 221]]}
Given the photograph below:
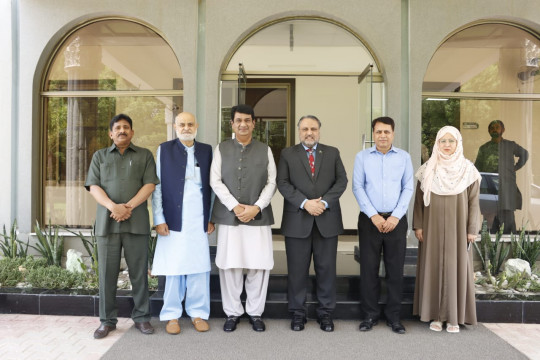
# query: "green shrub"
{"points": [[153, 282], [54, 277], [11, 246], [526, 248], [50, 245], [10, 275], [32, 263], [491, 253]]}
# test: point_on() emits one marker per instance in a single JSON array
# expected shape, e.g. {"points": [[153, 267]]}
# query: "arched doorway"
{"points": [[306, 65]]}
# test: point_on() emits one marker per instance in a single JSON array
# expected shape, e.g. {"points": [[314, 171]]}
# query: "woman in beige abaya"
{"points": [[446, 221]]}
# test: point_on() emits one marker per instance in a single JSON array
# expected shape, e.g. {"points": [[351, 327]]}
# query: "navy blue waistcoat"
{"points": [[173, 161]]}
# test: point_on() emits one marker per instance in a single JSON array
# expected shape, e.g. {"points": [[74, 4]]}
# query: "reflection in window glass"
{"points": [[487, 58], [499, 64], [109, 55], [113, 55]]}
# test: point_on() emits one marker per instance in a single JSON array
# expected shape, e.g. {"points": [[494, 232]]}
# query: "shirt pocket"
{"points": [[135, 170], [395, 172], [107, 172]]}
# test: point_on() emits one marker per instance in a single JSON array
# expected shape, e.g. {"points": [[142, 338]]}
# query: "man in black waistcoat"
{"points": [[243, 176]]}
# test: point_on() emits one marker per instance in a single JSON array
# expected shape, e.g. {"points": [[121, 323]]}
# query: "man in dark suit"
{"points": [[311, 178]]}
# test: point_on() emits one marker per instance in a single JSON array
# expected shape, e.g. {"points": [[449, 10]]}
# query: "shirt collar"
{"points": [[373, 149], [188, 148], [237, 143], [306, 148], [113, 147]]}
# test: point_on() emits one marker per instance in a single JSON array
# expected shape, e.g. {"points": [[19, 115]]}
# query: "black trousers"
{"points": [[393, 246], [507, 218], [299, 251]]}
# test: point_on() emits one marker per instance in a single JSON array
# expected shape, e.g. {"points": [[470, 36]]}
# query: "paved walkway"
{"points": [[71, 337]]}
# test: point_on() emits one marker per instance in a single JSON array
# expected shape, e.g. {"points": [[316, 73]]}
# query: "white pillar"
{"points": [[7, 120]]}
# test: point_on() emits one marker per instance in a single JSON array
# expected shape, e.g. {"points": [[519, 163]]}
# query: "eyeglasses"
{"points": [[447, 141]]}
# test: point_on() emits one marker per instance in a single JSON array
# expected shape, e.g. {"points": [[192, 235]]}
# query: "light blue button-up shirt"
{"points": [[383, 183]]}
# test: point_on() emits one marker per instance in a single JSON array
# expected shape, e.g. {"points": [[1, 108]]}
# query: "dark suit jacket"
{"points": [[173, 160], [296, 184]]}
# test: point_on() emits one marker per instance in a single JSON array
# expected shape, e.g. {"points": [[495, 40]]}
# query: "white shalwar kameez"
{"points": [[243, 247], [184, 257]]}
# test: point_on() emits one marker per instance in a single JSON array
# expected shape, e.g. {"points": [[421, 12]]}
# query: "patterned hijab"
{"points": [[446, 174]]}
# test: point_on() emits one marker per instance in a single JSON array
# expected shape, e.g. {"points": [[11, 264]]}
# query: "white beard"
{"points": [[186, 137]]}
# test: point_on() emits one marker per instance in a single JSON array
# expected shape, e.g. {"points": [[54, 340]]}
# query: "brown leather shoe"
{"points": [[145, 327], [200, 325], [103, 330], [173, 327]]}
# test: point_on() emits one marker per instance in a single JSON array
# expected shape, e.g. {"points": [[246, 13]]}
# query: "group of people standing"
{"points": [[311, 177]]}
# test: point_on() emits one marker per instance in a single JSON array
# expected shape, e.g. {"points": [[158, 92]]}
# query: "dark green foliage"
{"points": [[435, 115], [50, 245], [492, 253], [524, 247], [54, 277], [11, 246], [31, 263], [13, 271], [153, 282], [10, 275]]}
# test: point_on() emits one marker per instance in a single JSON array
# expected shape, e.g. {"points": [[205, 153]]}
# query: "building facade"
{"points": [[67, 66]]}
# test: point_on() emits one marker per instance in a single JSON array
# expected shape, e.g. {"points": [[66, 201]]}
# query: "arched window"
{"points": [[100, 69], [483, 73]]}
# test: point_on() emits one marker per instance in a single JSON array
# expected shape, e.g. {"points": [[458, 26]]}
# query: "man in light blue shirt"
{"points": [[383, 187]]}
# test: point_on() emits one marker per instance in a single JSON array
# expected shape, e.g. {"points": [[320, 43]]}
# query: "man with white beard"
{"points": [[181, 208]]}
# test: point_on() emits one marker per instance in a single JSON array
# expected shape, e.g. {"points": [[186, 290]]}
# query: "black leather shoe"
{"points": [[297, 323], [326, 323], [368, 324], [397, 327], [257, 323], [145, 327], [230, 323], [103, 330]]}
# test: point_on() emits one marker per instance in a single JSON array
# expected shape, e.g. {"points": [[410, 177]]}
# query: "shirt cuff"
{"points": [[325, 204], [259, 204], [159, 219], [230, 205], [370, 213], [302, 204]]}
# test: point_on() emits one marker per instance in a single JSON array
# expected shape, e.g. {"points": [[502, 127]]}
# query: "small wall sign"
{"points": [[469, 125]]}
